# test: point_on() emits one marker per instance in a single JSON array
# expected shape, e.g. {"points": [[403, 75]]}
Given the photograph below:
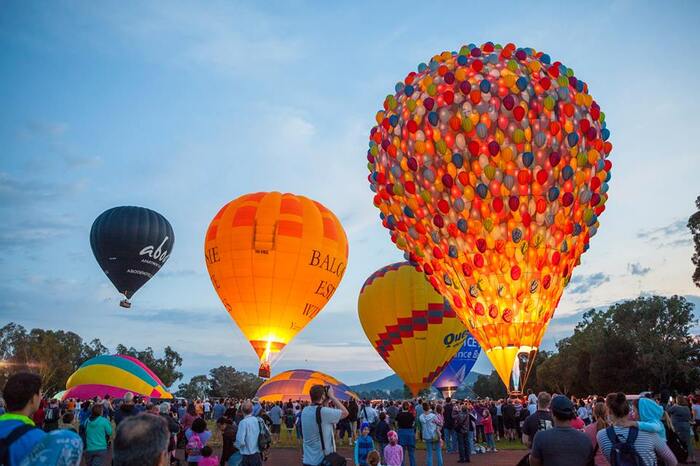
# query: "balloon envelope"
{"points": [[275, 260], [114, 375], [410, 325], [490, 168], [295, 385], [131, 244], [457, 370]]}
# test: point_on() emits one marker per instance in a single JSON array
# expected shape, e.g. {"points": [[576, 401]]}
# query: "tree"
{"points": [[225, 381], [165, 368], [490, 386], [198, 387], [694, 226]]}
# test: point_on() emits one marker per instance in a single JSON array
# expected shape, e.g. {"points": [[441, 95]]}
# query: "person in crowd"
{"points": [[247, 437], [257, 407], [582, 412], [315, 447], [541, 420], [561, 445], [465, 425], [363, 445], [650, 415], [126, 408], [591, 430], [393, 453], [405, 421], [181, 411], [431, 434], [164, 411], [206, 407], [449, 427], [52, 416], [344, 429], [190, 416], [197, 437], [275, 414], [141, 440], [509, 420], [353, 413], [68, 422], [218, 409], [646, 445], [381, 432], [230, 456], [98, 431], [373, 458], [391, 411], [681, 417], [208, 457], [368, 414], [487, 422], [22, 395]]}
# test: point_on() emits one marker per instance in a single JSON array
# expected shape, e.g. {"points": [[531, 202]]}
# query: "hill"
{"points": [[394, 382]]}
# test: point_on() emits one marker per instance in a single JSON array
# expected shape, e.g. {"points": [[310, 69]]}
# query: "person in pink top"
{"points": [[208, 457], [591, 430], [393, 452], [487, 422]]}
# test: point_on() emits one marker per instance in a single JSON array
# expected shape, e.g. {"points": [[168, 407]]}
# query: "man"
{"points": [[275, 415], [540, 420], [141, 441], [22, 395], [257, 407], [392, 411], [369, 415], [126, 408], [218, 409], [207, 410], [313, 449], [449, 426], [52, 414], [562, 445], [247, 437]]}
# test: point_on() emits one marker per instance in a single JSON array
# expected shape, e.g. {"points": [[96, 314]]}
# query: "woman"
{"points": [[599, 423], [98, 430], [230, 456], [681, 418], [431, 434], [406, 421], [189, 417], [197, 437], [648, 446]]}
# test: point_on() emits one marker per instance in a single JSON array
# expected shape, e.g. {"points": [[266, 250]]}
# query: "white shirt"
{"points": [[312, 453], [247, 436], [368, 414]]}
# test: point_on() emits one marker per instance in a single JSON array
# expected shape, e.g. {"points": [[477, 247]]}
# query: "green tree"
{"points": [[198, 387], [165, 368], [225, 381], [694, 226], [490, 386]]}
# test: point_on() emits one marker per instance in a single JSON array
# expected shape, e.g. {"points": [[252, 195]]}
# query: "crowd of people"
{"points": [[555, 429]]}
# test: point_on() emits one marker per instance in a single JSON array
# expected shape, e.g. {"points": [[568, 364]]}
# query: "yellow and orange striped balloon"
{"points": [[409, 324], [275, 260]]}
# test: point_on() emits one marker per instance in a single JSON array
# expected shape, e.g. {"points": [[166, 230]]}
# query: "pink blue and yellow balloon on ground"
{"points": [[490, 167], [114, 375], [295, 385]]}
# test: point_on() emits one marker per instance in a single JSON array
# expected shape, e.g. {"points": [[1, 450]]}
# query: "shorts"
{"points": [[275, 429], [344, 427]]}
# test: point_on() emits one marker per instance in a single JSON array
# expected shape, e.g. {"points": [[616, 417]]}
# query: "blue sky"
{"points": [[183, 106]]}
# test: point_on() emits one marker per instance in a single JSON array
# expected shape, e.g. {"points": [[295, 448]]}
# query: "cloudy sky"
{"points": [[183, 106]]}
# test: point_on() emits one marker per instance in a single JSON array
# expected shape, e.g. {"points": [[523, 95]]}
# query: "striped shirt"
{"points": [[647, 446]]}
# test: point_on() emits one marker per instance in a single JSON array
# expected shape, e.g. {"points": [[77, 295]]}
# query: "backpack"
{"points": [[11, 438], [194, 445], [51, 415], [623, 453], [264, 439], [677, 446]]}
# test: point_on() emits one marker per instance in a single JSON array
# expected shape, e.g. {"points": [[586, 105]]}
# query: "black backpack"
{"points": [[11, 438], [264, 439], [623, 453], [677, 446]]}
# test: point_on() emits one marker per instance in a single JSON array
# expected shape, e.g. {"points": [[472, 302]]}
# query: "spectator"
{"points": [[393, 453], [197, 437], [681, 417], [173, 426], [449, 427], [257, 407], [541, 420], [229, 453], [369, 415], [275, 414], [22, 394], [141, 440], [488, 430], [190, 416], [59, 448], [363, 445], [431, 434], [646, 445], [98, 430], [599, 423], [208, 457], [247, 437], [353, 411], [126, 408], [381, 433], [207, 410], [315, 447], [509, 420], [561, 445], [52, 416], [218, 409], [405, 421]]}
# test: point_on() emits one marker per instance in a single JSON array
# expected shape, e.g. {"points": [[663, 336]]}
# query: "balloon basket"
{"points": [[264, 371], [125, 303]]}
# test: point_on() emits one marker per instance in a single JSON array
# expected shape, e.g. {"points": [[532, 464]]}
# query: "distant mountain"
{"points": [[394, 382]]}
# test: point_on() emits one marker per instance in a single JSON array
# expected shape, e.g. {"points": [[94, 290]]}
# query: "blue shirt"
{"points": [[219, 410], [247, 435], [24, 445]]}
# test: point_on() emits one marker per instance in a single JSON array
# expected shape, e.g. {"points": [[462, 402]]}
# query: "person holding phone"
{"points": [[330, 410]]}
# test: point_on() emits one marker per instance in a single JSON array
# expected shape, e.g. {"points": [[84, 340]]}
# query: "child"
{"points": [[363, 446], [393, 453], [373, 458], [650, 414], [487, 422], [208, 458]]}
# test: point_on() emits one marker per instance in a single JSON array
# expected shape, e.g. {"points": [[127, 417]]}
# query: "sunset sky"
{"points": [[184, 106]]}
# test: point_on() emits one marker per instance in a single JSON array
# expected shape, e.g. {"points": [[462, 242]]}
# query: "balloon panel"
{"points": [[457, 370], [490, 167], [410, 325], [114, 375], [295, 385], [131, 244], [275, 260]]}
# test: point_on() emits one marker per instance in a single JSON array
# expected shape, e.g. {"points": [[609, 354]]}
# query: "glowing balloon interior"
{"points": [[275, 260], [410, 325], [295, 385], [490, 168], [457, 370]]}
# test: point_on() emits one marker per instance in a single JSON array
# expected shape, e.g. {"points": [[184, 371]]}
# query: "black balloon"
{"points": [[131, 244]]}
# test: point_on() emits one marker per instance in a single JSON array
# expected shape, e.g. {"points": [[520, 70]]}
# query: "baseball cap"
{"points": [[562, 406]]}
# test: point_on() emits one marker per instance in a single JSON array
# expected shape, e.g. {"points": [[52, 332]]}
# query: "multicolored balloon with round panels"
{"points": [[490, 168]]}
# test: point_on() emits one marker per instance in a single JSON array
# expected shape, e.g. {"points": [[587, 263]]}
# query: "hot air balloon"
{"points": [[410, 325], [457, 370], [131, 244], [114, 375], [275, 260], [295, 385], [490, 168]]}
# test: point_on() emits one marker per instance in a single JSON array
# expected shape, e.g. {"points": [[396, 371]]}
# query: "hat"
{"points": [[392, 435], [164, 407], [363, 425], [562, 405]]}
